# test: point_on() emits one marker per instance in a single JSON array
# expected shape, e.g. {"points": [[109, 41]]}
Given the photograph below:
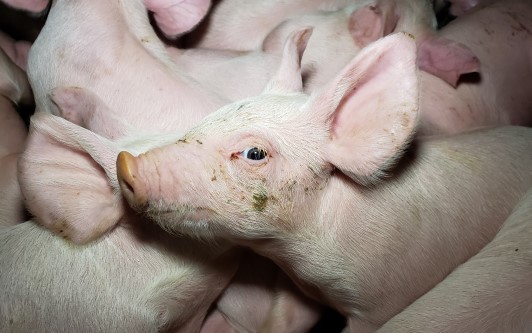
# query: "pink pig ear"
{"points": [[446, 59], [175, 17], [68, 179], [82, 107], [288, 76], [371, 22], [371, 108]]}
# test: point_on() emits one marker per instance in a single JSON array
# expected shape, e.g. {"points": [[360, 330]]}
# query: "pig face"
{"points": [[255, 166], [251, 167]]}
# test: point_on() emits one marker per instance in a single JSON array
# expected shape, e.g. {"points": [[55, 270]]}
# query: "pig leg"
{"points": [[492, 291], [175, 17]]}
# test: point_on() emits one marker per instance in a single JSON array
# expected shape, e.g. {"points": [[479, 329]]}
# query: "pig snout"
{"points": [[133, 189]]}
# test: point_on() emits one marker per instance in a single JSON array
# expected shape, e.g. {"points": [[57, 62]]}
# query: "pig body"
{"points": [[296, 179], [130, 281], [123, 62], [498, 34], [492, 291]]}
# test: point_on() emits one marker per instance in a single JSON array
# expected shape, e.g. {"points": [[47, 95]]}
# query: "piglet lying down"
{"points": [[308, 182]]}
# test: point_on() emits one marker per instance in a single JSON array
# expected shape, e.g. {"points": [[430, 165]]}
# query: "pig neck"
{"points": [[369, 252]]}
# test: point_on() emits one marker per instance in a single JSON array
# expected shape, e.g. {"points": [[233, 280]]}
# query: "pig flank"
{"points": [[304, 204]]}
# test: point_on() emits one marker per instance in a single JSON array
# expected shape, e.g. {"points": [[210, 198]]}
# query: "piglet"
{"points": [[307, 181], [492, 291]]}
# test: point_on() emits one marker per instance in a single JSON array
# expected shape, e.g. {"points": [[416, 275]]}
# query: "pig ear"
{"points": [[288, 76], [68, 179], [446, 59], [371, 22], [371, 108], [175, 17], [83, 108]]}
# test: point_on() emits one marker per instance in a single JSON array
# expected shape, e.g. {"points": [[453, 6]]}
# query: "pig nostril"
{"points": [[131, 187]]}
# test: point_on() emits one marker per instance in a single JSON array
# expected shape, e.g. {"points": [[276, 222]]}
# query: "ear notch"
{"points": [[371, 108], [288, 77]]}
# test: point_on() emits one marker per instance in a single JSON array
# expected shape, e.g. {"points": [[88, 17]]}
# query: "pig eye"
{"points": [[255, 154]]}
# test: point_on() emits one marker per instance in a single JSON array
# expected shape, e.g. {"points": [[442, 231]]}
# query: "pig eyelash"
{"points": [[254, 154]]}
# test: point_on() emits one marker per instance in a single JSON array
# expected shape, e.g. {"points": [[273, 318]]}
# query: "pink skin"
{"points": [[86, 203], [114, 96], [294, 203], [491, 290], [242, 25], [104, 289], [175, 17], [261, 298], [14, 89], [144, 281], [500, 36], [81, 154], [142, 94]]}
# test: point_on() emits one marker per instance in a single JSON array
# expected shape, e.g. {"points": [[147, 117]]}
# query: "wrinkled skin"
{"points": [[492, 291], [296, 179], [14, 90], [499, 35]]}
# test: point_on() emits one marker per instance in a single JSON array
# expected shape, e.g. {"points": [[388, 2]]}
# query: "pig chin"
{"points": [[184, 220]]}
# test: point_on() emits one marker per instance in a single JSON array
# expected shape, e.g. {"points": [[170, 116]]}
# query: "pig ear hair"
{"points": [[371, 108], [288, 76]]}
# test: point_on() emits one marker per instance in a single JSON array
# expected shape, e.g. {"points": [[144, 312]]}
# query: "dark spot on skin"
{"points": [[259, 201], [516, 250], [240, 107], [234, 156], [61, 231], [198, 141], [182, 140], [145, 40], [213, 178], [11, 321]]}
